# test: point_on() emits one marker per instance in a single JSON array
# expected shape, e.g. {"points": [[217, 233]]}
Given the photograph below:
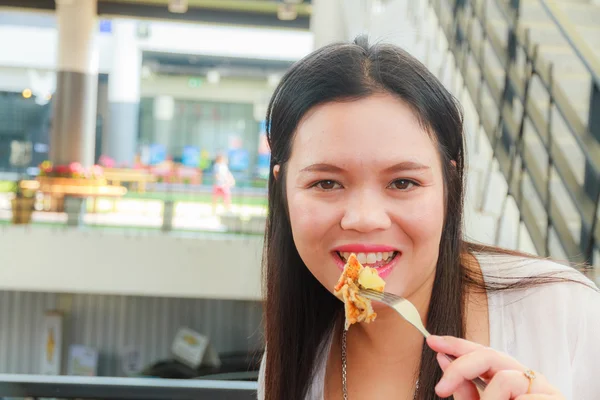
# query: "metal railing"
{"points": [[514, 108], [161, 207], [69, 387]]}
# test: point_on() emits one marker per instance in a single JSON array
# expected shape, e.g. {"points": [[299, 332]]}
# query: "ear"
{"points": [[453, 163], [276, 169]]}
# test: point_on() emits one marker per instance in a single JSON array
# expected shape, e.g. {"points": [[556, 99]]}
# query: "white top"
{"points": [[553, 329], [222, 175]]}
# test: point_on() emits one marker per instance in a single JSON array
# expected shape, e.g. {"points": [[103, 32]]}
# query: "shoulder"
{"points": [[550, 322], [540, 294], [537, 275], [542, 290], [315, 390]]}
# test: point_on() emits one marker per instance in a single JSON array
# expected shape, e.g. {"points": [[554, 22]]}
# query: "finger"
{"points": [[512, 384], [507, 385], [467, 390], [443, 361], [452, 345], [484, 362], [538, 397]]}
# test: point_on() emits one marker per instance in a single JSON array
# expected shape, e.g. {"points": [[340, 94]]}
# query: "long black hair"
{"points": [[299, 311]]}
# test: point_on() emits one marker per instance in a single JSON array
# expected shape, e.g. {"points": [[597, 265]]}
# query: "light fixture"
{"points": [[178, 6], [213, 76], [164, 108], [26, 93], [287, 12]]}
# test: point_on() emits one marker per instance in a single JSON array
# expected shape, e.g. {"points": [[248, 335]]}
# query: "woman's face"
{"points": [[365, 178]]}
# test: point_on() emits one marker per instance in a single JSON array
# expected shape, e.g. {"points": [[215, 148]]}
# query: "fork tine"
{"points": [[372, 294], [384, 295], [372, 297], [381, 297], [393, 297]]}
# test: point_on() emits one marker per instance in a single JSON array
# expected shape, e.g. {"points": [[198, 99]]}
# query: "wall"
{"points": [[228, 90], [228, 41], [31, 61], [121, 289], [37, 48], [15, 79], [114, 323], [216, 266]]}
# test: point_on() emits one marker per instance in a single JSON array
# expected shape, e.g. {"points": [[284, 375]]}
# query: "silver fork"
{"points": [[409, 312]]}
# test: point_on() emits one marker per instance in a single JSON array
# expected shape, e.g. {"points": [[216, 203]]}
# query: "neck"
{"points": [[390, 337]]}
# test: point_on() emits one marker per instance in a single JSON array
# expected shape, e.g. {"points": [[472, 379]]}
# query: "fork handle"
{"points": [[479, 383]]}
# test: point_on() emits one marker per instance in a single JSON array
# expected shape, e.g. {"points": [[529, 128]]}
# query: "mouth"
{"points": [[383, 261], [373, 260]]}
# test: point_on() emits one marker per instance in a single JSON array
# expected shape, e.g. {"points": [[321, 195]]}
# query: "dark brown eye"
{"points": [[402, 184], [327, 185]]}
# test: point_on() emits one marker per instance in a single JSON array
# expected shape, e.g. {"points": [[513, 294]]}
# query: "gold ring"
{"points": [[529, 374]]}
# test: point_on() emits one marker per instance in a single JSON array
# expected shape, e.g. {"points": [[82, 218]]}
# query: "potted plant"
{"points": [[71, 174], [22, 204]]}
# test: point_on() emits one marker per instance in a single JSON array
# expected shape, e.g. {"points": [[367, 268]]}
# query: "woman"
{"points": [[368, 157], [223, 183]]}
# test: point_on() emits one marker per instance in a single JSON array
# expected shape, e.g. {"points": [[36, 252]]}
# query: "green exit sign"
{"points": [[194, 82]]}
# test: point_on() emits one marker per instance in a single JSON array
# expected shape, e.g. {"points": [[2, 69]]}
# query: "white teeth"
{"points": [[362, 258], [370, 258]]}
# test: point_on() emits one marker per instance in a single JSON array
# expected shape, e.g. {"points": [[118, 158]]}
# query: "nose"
{"points": [[365, 212]]}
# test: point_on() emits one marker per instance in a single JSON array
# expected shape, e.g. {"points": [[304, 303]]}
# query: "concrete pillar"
{"points": [[327, 22], [119, 140], [72, 137], [164, 110]]}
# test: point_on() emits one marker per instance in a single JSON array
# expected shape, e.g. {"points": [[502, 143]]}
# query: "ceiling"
{"points": [[230, 12], [183, 64]]}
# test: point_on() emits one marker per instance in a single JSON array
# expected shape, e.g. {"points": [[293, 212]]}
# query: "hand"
{"points": [[505, 376]]}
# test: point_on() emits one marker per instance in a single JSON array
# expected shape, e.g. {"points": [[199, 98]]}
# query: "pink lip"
{"points": [[383, 272], [364, 248]]}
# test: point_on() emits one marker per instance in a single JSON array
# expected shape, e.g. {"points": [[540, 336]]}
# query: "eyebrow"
{"points": [[402, 166], [407, 166], [322, 167]]}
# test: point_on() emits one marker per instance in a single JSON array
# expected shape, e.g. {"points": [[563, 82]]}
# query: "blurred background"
{"points": [[134, 165]]}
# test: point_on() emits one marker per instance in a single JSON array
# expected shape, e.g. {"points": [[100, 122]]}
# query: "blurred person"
{"points": [[223, 182], [368, 157]]}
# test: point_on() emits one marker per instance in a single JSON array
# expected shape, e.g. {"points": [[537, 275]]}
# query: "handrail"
{"points": [[583, 51], [582, 203], [579, 250], [575, 124], [71, 387]]}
